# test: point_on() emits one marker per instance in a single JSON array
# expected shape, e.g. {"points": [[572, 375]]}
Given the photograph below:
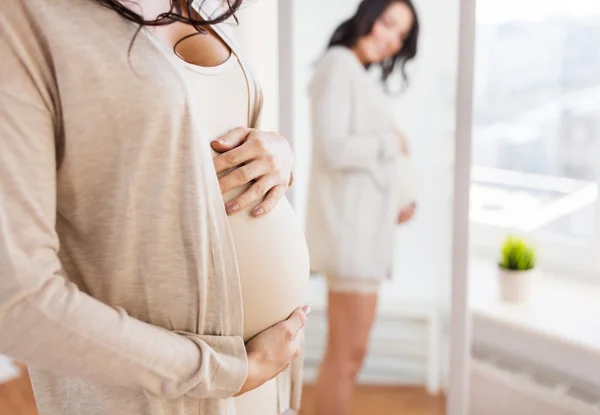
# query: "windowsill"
{"points": [[561, 309]]}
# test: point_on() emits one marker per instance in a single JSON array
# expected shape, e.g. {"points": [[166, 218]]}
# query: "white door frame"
{"points": [[460, 325]]}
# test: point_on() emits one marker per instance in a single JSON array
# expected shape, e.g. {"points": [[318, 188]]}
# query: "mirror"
{"points": [[408, 353]]}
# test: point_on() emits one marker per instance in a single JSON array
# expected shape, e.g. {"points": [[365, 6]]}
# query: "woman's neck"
{"points": [[359, 56]]}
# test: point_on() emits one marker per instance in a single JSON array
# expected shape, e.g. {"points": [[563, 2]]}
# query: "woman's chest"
{"points": [[371, 106], [109, 92], [129, 117]]}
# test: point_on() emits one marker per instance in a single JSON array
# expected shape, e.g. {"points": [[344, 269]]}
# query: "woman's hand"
{"points": [[263, 157], [273, 350], [403, 143], [407, 214]]}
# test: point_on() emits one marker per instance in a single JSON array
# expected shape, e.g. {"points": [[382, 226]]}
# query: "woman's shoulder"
{"points": [[14, 16], [41, 20], [23, 34], [338, 62], [338, 56]]}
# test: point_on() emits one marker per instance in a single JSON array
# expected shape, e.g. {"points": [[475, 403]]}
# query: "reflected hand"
{"points": [[263, 157], [407, 214], [273, 350], [403, 143]]}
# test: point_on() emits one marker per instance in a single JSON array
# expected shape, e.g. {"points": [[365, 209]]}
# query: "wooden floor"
{"points": [[16, 398], [381, 400]]}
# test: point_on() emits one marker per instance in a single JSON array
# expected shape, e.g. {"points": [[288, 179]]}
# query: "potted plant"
{"points": [[516, 270]]}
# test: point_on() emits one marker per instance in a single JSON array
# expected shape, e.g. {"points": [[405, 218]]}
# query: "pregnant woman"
{"points": [[128, 131]]}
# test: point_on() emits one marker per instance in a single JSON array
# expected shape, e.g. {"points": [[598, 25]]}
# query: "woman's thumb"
{"points": [[298, 318], [231, 139]]}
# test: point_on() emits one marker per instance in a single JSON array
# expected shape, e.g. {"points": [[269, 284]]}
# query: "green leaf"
{"points": [[517, 254]]}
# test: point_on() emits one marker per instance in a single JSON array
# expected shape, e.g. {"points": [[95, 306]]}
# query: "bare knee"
{"points": [[350, 318], [356, 358], [347, 363]]}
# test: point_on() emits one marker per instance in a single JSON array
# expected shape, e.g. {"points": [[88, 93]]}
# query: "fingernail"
{"points": [[232, 207], [307, 310], [258, 211]]}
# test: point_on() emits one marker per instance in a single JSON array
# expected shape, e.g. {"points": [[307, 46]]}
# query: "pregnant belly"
{"points": [[273, 262]]}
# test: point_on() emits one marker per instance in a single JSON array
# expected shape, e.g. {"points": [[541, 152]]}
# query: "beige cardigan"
{"points": [[119, 283], [352, 205]]}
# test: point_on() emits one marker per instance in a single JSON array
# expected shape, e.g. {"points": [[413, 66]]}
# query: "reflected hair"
{"points": [[361, 24]]}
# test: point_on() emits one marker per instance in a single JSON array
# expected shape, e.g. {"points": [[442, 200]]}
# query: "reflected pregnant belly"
{"points": [[273, 262]]}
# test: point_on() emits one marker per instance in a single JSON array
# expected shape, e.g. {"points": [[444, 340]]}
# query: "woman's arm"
{"points": [[331, 98], [45, 321]]}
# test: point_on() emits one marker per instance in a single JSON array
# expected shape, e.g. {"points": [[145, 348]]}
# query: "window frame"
{"points": [[572, 257]]}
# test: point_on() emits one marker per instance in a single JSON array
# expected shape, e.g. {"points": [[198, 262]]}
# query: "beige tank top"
{"points": [[271, 251]]}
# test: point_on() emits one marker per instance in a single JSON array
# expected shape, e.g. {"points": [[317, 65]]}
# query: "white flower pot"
{"points": [[516, 286]]}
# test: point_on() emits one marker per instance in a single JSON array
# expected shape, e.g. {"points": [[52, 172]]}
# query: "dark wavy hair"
{"points": [[175, 14], [361, 24]]}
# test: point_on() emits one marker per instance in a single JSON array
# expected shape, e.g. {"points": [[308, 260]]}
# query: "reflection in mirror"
{"points": [[338, 192]]}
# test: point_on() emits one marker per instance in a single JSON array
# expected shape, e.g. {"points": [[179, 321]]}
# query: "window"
{"points": [[536, 131]]}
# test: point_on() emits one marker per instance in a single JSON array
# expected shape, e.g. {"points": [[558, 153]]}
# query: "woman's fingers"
{"points": [[407, 214], [236, 157], [403, 143], [270, 201], [255, 193], [239, 146], [295, 323], [231, 140], [250, 155], [242, 175]]}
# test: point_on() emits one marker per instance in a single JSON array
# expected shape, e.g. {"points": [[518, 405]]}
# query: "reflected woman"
{"points": [[356, 184]]}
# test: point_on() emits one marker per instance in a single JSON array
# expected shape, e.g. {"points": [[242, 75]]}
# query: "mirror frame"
{"points": [[460, 322]]}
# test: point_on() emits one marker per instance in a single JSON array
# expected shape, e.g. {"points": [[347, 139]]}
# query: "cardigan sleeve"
{"points": [[45, 320], [331, 108]]}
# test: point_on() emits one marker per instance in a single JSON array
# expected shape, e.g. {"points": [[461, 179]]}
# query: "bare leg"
{"points": [[350, 318]]}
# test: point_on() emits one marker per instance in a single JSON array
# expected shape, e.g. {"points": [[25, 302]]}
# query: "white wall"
{"points": [[426, 114], [257, 35]]}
